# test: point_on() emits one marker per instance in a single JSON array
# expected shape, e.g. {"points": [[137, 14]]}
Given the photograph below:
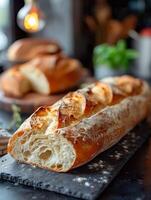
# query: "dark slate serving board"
{"points": [[86, 182]]}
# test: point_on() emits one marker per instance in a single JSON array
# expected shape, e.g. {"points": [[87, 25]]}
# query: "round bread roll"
{"points": [[28, 48], [53, 74]]}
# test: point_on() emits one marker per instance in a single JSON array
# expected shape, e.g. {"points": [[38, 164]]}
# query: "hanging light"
{"points": [[30, 18]]}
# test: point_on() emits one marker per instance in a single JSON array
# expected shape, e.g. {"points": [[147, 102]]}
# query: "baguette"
{"points": [[82, 124], [26, 49]]}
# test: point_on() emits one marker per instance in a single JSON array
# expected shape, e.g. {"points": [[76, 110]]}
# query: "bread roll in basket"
{"points": [[82, 124]]}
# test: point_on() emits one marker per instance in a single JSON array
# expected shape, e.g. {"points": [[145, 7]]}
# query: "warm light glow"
{"points": [[31, 22], [30, 18]]}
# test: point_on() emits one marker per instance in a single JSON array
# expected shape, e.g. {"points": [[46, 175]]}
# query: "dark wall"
{"points": [[16, 5]]}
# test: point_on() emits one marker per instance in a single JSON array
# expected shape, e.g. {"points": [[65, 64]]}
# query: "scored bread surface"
{"points": [[82, 124]]}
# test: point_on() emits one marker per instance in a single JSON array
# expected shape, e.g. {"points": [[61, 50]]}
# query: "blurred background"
{"points": [[79, 26], [93, 39]]}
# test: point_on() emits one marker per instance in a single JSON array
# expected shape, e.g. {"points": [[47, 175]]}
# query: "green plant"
{"points": [[115, 57], [16, 118]]}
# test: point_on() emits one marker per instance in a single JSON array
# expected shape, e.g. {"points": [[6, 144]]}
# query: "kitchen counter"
{"points": [[132, 183]]}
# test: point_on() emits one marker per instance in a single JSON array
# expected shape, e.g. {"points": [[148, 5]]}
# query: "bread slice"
{"points": [[37, 79], [81, 125]]}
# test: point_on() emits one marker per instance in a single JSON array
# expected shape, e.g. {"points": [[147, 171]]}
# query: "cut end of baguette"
{"points": [[44, 150]]}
